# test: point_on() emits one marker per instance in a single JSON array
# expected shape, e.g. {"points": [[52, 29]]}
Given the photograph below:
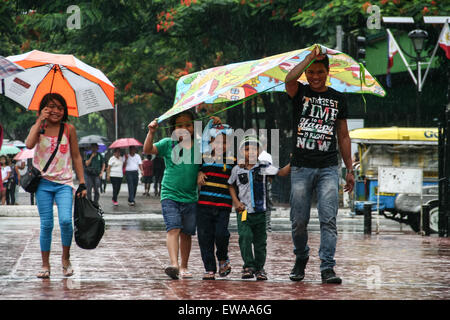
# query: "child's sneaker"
{"points": [[224, 268], [261, 275], [247, 273]]}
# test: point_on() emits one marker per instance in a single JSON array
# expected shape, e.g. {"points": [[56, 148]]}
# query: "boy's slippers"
{"points": [[172, 272], [209, 275], [225, 268], [44, 274]]}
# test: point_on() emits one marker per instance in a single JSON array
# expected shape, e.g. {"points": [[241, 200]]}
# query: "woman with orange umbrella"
{"points": [[56, 184]]}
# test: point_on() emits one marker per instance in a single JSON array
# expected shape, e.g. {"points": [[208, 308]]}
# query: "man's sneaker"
{"points": [[329, 276], [298, 271]]}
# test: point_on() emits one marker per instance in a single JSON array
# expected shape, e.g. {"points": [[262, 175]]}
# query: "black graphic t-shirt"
{"points": [[314, 135]]}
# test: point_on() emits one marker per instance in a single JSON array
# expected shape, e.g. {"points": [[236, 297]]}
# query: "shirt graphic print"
{"points": [[315, 115]]}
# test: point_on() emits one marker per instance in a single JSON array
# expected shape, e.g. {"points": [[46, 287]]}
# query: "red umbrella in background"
{"points": [[125, 143], [25, 154]]}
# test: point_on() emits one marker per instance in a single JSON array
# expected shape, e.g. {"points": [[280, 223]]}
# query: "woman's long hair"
{"points": [[51, 97]]}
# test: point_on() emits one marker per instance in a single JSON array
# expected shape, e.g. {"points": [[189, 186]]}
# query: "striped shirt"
{"points": [[215, 193]]}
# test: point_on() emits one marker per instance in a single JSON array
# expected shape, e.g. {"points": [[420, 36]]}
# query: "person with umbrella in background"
{"points": [[56, 184], [5, 174], [320, 124], [114, 173], [94, 168], [1, 180], [133, 163]]}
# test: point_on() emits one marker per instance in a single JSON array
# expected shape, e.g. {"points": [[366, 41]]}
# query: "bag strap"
{"points": [[61, 130]]}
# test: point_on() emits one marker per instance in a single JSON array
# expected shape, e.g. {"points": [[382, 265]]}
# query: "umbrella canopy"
{"points": [[25, 154], [18, 144], [239, 80], [125, 143], [9, 149], [8, 68], [93, 138], [84, 88], [101, 148]]}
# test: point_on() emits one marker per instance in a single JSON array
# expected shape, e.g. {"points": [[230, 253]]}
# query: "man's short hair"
{"points": [[325, 61]]}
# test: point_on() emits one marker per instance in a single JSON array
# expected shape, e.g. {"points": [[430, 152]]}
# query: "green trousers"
{"points": [[253, 240]]}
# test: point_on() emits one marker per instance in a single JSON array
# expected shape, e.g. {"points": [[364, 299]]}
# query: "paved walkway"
{"points": [[128, 264]]}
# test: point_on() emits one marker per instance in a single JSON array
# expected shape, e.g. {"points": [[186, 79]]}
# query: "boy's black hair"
{"points": [[325, 61], [55, 96], [173, 119]]}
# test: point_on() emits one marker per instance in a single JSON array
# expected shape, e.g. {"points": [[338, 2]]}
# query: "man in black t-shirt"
{"points": [[319, 126]]}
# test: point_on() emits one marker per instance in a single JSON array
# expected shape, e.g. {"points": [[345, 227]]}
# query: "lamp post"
{"points": [[418, 38]]}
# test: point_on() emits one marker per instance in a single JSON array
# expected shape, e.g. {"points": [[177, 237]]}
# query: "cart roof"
{"points": [[395, 135]]}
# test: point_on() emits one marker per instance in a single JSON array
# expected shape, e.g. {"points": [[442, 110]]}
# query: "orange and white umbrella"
{"points": [[85, 89]]}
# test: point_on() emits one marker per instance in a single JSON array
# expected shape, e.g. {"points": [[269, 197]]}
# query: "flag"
{"points": [[392, 50], [444, 40]]}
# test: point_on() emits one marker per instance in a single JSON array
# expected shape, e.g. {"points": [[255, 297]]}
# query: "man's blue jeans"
{"points": [[325, 181], [132, 182]]}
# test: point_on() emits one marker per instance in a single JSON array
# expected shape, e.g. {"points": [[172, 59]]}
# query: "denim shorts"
{"points": [[180, 215]]}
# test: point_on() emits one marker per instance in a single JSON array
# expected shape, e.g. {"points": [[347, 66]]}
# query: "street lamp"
{"points": [[418, 38]]}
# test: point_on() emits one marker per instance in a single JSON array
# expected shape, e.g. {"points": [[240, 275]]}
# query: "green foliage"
{"points": [[144, 47]]}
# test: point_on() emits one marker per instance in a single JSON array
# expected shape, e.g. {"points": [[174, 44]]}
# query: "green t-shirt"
{"points": [[180, 178]]}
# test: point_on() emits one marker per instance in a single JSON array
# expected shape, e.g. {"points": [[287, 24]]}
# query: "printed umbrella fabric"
{"points": [[239, 80], [8, 68], [125, 143], [86, 89]]}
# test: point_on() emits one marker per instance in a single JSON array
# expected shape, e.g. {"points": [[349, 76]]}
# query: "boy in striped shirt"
{"points": [[215, 203]]}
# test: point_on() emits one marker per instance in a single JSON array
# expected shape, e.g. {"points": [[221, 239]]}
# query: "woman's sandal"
{"points": [[43, 274], [172, 272], [185, 274], [225, 268], [68, 270], [209, 275]]}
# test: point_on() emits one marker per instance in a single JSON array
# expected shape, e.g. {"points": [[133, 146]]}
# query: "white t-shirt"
{"points": [[24, 170], [116, 167], [133, 162], [5, 171]]}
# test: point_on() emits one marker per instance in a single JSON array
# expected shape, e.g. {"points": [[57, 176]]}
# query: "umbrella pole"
{"points": [[51, 87]]}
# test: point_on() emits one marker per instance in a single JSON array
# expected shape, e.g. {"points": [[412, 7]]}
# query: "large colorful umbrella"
{"points": [[84, 88], [125, 143], [8, 68], [239, 80], [9, 149], [25, 154]]}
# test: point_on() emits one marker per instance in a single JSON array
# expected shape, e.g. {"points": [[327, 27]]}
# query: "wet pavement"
{"points": [[129, 262]]}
